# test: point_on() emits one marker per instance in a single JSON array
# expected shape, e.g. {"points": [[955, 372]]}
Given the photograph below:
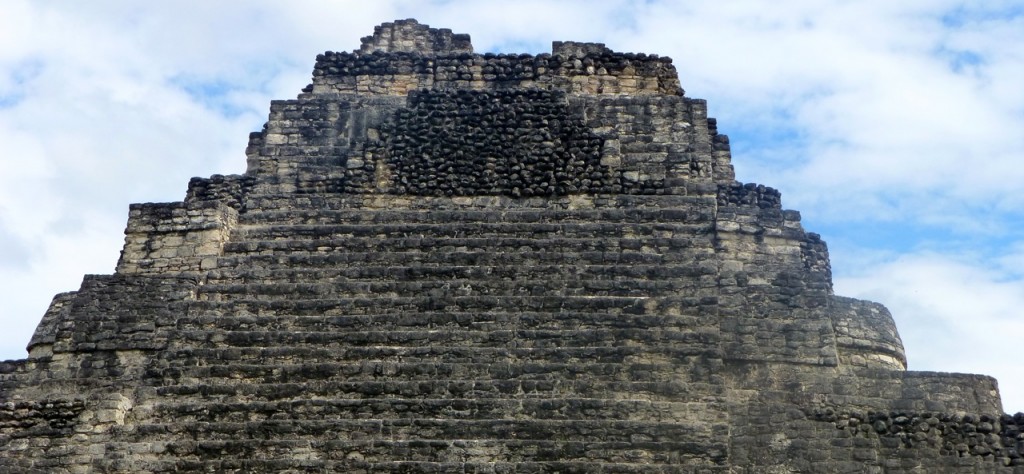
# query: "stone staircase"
{"points": [[441, 261], [431, 341]]}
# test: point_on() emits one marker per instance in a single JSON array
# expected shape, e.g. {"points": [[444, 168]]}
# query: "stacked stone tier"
{"points": [[385, 339]]}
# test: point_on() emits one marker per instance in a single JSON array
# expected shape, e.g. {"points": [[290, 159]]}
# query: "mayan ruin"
{"points": [[439, 260]]}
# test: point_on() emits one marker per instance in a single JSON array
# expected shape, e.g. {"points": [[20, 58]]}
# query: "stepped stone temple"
{"points": [[444, 261]]}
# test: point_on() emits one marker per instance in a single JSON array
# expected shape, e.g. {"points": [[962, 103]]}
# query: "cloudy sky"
{"points": [[896, 128]]}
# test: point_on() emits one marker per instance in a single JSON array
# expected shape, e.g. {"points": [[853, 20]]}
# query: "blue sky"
{"points": [[896, 128]]}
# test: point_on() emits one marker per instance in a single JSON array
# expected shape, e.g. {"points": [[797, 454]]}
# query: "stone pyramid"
{"points": [[444, 261]]}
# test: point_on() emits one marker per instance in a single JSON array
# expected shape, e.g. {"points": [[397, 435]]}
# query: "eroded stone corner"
{"points": [[181, 237]]}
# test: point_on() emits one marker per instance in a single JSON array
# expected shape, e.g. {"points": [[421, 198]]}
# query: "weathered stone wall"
{"points": [[45, 335], [399, 74], [408, 36], [518, 143], [866, 335], [868, 420], [445, 262], [319, 144], [226, 190], [662, 141], [62, 406], [432, 59], [173, 238]]}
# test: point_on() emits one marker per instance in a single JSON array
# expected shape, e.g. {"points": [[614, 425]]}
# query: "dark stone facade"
{"points": [[442, 261]]}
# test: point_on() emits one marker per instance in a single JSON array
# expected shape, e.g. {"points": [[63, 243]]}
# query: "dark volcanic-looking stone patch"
{"points": [[518, 143]]}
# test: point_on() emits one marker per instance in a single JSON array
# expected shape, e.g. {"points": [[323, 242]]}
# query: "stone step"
{"points": [[493, 244], [426, 370], [284, 207], [199, 411], [418, 456], [278, 256], [454, 287], [299, 273], [446, 320], [459, 304], [448, 229], [673, 212], [293, 215], [510, 338], [197, 355], [661, 390], [634, 434]]}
